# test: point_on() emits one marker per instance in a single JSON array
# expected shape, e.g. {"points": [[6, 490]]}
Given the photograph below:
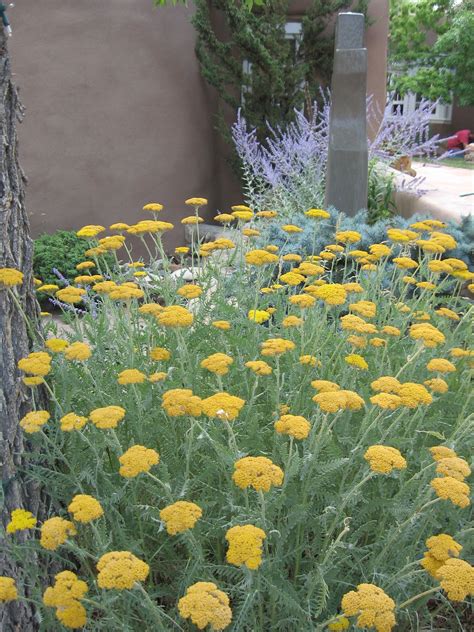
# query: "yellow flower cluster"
{"points": [[259, 367], [206, 605], [429, 335], [258, 315], [317, 213], [107, 417], [149, 226], [258, 472], [217, 363], [367, 309], [91, 230], [8, 591], [245, 546], [10, 277], [277, 346], [56, 345], [357, 360], [21, 519], [449, 488], [37, 363], [348, 236], [180, 516], [333, 401], [260, 257], [295, 426], [131, 376], [159, 354], [179, 402], [55, 531], [440, 548], [34, 421], [440, 365], [120, 570], [457, 579], [357, 324], [70, 294], [65, 596], [218, 244], [190, 291], [136, 460], [372, 606], [85, 508], [224, 325], [175, 316], [384, 459], [79, 351], [223, 406]]}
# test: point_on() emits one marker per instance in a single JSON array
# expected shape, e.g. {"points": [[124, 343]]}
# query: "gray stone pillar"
{"points": [[346, 177]]}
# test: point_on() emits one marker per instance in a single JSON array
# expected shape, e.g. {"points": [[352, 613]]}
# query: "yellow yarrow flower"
{"points": [[401, 236], [71, 422], [414, 395], [453, 466], [295, 426], [367, 309], [258, 472], [384, 459], [333, 401], [56, 344], [456, 578], [159, 354], [206, 605], [34, 421], [179, 402], [388, 401], [325, 386], [292, 278], [292, 321], [79, 351], [259, 367], [107, 417], [85, 508], [180, 516], [137, 460], [221, 324], [8, 591], [131, 376], [258, 315], [331, 293], [440, 365], [175, 316], [357, 360], [429, 335], [348, 236], [447, 313], [341, 624], [372, 606], [65, 596], [276, 346], [317, 213], [9, 277], [20, 519], [154, 207], [245, 546], [55, 532], [303, 301], [440, 548], [222, 406], [439, 452], [449, 488], [119, 570], [260, 257], [437, 385], [217, 363], [309, 360]]}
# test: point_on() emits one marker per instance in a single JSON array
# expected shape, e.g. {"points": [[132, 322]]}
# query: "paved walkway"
{"points": [[446, 185]]}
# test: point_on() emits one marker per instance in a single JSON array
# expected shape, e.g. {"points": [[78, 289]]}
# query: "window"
{"points": [[409, 103]]}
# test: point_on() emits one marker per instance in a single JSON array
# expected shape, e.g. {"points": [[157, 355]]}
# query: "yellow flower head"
{"points": [[10, 277], [258, 472], [439, 452], [113, 242], [380, 250], [260, 257], [258, 315], [292, 321], [48, 287], [136, 460], [180, 516], [206, 605], [367, 309], [373, 607], [453, 466], [245, 546], [357, 360], [34, 421], [291, 228], [387, 384], [458, 352], [348, 236], [55, 532], [377, 342], [159, 354], [389, 330], [388, 401], [131, 376], [341, 624], [91, 230], [259, 367], [331, 293], [429, 335], [223, 406], [78, 351], [317, 213], [292, 278], [302, 300], [120, 570], [192, 219], [440, 365], [20, 520], [221, 324], [119, 226], [159, 376], [266, 214], [333, 401], [405, 263], [217, 363], [149, 226], [309, 360], [413, 395], [32, 381], [449, 488], [353, 288], [293, 425], [401, 236], [196, 201], [384, 459], [437, 385], [107, 417], [65, 596], [447, 313], [71, 422], [276, 346], [250, 232], [224, 218], [85, 508], [175, 316], [324, 386], [457, 579], [70, 294], [154, 207], [8, 591], [179, 402], [440, 548]]}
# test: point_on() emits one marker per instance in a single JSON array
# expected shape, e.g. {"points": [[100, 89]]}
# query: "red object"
{"points": [[459, 140]]}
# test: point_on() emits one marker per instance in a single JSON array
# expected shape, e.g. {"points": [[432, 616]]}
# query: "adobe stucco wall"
{"points": [[117, 113]]}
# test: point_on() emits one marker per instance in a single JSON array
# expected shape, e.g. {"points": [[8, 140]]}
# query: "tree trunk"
{"points": [[16, 251]]}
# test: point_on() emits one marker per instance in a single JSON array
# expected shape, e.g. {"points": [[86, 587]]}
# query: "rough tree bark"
{"points": [[16, 251]]}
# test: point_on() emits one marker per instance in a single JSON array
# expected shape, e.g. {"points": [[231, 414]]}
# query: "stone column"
{"points": [[346, 177]]}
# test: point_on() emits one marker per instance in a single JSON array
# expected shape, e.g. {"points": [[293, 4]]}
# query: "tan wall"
{"points": [[117, 112]]}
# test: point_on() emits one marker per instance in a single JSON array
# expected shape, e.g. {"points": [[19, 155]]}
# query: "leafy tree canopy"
{"points": [[432, 45]]}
